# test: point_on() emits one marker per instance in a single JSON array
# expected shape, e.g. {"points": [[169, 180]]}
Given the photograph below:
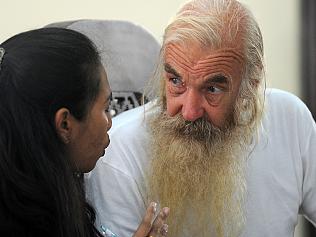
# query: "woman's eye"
{"points": [[214, 89]]}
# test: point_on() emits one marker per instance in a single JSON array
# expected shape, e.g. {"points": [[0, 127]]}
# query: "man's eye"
{"points": [[176, 81], [214, 89]]}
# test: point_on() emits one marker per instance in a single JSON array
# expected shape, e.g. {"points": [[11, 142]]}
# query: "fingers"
{"points": [[164, 230], [145, 226], [155, 228], [159, 227]]}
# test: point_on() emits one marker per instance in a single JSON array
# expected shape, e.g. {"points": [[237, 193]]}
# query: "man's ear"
{"points": [[63, 124]]}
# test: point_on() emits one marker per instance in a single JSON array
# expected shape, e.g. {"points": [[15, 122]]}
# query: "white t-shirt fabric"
{"points": [[281, 173]]}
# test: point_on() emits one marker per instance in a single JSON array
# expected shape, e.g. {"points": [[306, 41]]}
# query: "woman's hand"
{"points": [[156, 228]]}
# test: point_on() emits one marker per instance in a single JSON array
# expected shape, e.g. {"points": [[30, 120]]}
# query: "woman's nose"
{"points": [[109, 125]]}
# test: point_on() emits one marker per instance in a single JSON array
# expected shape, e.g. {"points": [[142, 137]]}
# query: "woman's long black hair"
{"points": [[41, 71]]}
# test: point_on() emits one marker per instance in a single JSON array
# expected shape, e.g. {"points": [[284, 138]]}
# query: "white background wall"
{"points": [[279, 21], [280, 25]]}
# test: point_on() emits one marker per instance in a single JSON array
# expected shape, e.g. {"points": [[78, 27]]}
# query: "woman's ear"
{"points": [[63, 124]]}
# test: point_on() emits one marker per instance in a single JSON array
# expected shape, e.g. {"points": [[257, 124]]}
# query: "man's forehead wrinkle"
{"points": [[220, 67], [224, 70], [226, 60], [180, 63], [210, 67], [226, 65], [206, 66], [213, 63], [175, 50], [196, 69], [225, 53]]}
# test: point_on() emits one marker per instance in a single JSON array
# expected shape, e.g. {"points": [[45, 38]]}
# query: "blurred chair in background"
{"points": [[128, 53]]}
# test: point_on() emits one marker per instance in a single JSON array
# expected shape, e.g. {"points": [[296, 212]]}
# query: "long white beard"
{"points": [[198, 171]]}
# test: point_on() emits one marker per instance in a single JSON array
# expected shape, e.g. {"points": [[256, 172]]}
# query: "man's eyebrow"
{"points": [[217, 79], [169, 69]]}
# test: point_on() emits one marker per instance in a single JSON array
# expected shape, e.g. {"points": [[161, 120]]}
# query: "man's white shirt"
{"points": [[281, 172]]}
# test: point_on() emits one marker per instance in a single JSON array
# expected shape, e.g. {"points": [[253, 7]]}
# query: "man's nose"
{"points": [[192, 108]]}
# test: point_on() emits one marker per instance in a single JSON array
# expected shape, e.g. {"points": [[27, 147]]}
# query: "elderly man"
{"points": [[229, 157]]}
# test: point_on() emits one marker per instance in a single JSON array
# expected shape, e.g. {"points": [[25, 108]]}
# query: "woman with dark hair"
{"points": [[54, 118]]}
